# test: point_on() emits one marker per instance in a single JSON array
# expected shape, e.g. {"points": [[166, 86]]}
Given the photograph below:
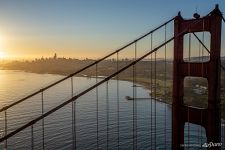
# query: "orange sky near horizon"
{"points": [[81, 29]]}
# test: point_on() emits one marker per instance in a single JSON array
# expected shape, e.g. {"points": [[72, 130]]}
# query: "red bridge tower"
{"points": [[209, 117]]}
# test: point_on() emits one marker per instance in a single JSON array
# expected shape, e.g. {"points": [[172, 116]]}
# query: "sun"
{"points": [[2, 55]]}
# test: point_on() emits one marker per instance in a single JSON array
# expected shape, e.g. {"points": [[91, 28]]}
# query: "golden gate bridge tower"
{"points": [[209, 117]]}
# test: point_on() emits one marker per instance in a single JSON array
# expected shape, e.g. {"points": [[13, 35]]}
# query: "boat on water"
{"points": [[128, 98]]}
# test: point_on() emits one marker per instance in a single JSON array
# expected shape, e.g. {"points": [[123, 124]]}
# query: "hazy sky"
{"points": [[84, 28]]}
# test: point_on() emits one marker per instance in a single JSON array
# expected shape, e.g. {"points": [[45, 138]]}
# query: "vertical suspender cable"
{"points": [[6, 144], [134, 100], [188, 129], [165, 94], [151, 92], [118, 102], [199, 51], [189, 74], [155, 102], [199, 55], [201, 130], [203, 41], [107, 114], [73, 117], [32, 137], [135, 95], [75, 126], [72, 114], [189, 53], [43, 128], [96, 71]]}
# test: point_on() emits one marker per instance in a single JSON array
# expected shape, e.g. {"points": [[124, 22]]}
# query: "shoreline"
{"points": [[144, 85]]}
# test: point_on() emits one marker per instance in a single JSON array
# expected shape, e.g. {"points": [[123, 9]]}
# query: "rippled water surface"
{"points": [[58, 126]]}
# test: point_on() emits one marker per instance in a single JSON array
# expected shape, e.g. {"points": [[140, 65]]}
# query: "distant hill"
{"points": [[67, 66], [107, 67]]}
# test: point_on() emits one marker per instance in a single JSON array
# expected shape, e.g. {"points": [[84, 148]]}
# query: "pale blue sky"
{"points": [[80, 28]]}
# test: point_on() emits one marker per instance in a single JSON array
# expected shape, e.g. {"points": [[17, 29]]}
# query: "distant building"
{"points": [[201, 90], [55, 56]]}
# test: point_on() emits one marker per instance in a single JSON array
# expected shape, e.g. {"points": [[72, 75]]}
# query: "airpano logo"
{"points": [[206, 145], [211, 144]]}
